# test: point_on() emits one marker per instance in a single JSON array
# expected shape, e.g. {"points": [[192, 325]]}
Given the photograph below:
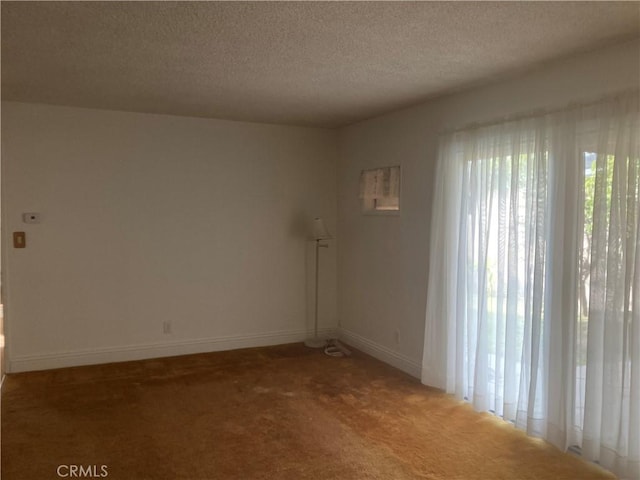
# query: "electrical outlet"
{"points": [[166, 328], [397, 337]]}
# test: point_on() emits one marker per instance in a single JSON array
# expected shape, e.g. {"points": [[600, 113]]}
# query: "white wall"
{"points": [[150, 219], [383, 261]]}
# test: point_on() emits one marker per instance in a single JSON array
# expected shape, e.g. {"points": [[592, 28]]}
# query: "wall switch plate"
{"points": [[19, 240], [31, 217]]}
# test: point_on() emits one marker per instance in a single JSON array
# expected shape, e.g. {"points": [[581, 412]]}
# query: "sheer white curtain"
{"points": [[533, 305]]}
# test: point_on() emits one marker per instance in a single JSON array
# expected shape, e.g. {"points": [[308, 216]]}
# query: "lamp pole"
{"points": [[319, 233], [318, 245]]}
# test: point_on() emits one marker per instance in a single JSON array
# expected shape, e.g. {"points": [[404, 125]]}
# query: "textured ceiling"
{"points": [[305, 63]]}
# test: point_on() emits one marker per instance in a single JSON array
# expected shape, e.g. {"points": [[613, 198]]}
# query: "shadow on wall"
{"points": [[300, 226]]}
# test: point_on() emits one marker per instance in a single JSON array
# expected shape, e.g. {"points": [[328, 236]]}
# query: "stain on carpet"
{"points": [[283, 412]]}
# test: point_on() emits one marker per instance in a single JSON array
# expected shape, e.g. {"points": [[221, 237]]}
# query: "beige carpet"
{"points": [[279, 413]]}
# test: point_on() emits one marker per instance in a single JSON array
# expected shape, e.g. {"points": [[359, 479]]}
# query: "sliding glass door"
{"points": [[536, 273]]}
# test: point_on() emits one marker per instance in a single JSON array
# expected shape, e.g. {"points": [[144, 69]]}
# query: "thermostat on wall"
{"points": [[31, 217]]}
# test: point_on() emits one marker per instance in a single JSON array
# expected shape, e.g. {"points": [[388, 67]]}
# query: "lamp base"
{"points": [[315, 342]]}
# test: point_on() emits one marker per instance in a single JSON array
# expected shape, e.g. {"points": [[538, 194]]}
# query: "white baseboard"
{"points": [[96, 356], [384, 354]]}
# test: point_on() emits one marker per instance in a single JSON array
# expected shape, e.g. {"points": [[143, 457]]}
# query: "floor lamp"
{"points": [[320, 233]]}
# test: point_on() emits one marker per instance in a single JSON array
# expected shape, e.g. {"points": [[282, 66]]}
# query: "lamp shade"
{"points": [[320, 231]]}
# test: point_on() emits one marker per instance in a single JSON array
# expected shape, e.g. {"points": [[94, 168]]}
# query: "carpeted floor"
{"points": [[283, 412]]}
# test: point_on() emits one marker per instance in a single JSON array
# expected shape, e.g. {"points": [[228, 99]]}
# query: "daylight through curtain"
{"points": [[534, 286]]}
